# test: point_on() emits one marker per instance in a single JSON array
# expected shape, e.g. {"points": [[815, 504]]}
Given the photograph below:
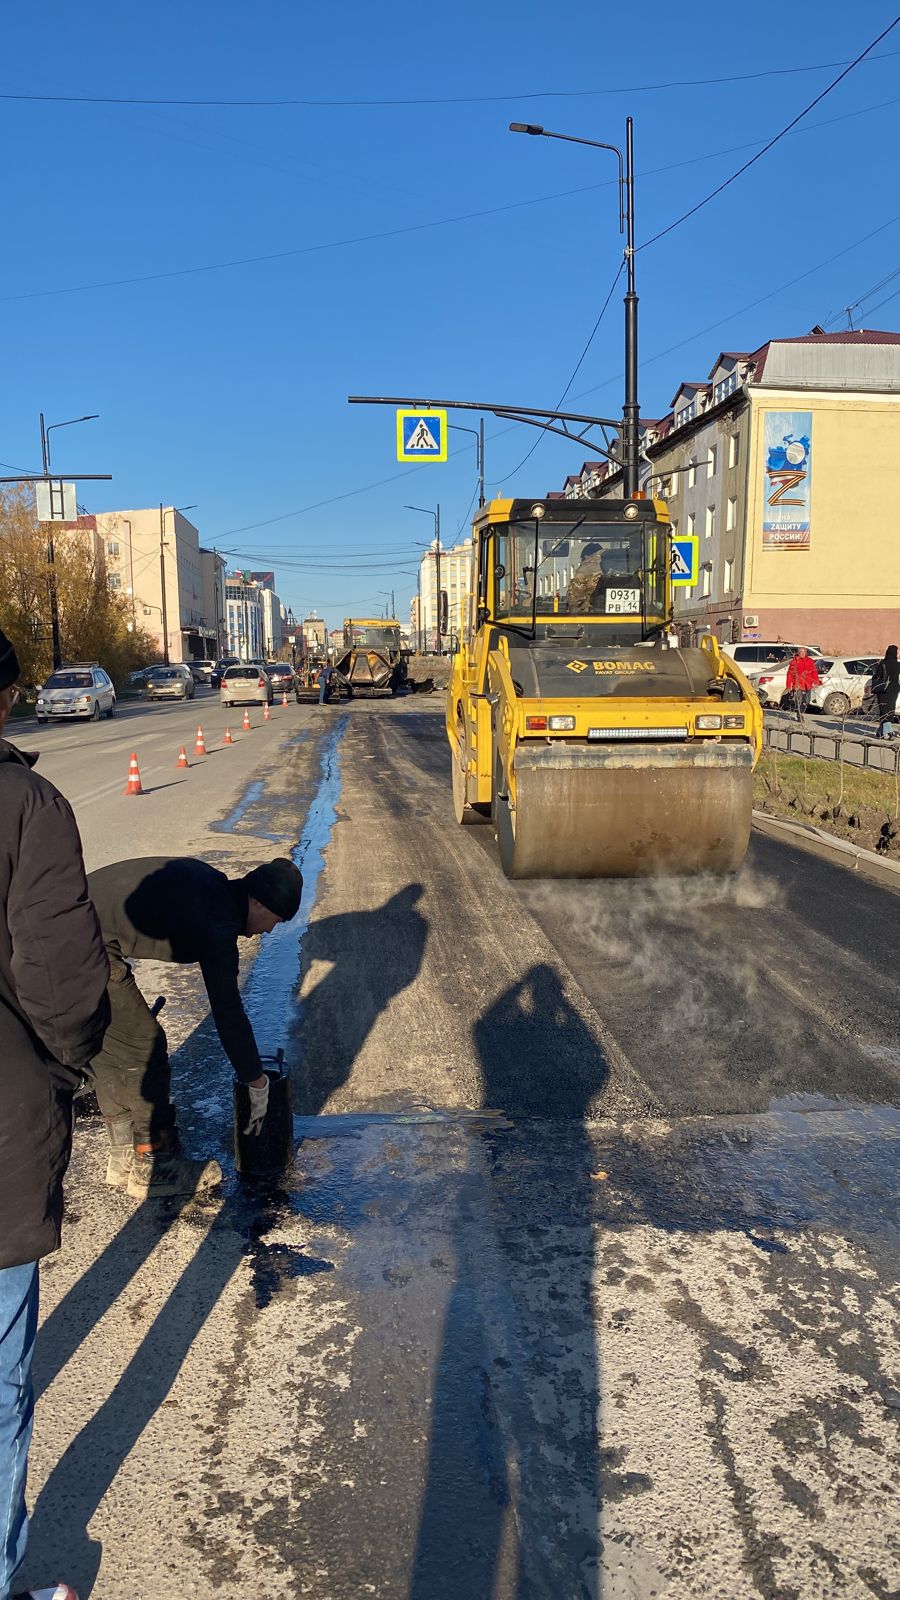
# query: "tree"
{"points": [[95, 624]]}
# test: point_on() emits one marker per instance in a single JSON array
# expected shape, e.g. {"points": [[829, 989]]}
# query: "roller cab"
{"points": [[371, 662], [596, 748]]}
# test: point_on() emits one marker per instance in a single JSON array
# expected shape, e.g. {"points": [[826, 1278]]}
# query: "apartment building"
{"points": [[456, 581], [153, 557]]}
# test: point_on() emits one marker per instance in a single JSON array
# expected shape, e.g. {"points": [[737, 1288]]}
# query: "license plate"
{"points": [[623, 601]]}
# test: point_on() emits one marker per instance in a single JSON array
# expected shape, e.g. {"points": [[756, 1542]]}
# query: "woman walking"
{"points": [[885, 687]]}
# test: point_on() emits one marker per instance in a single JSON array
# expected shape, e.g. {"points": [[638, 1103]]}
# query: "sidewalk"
{"points": [[782, 731]]}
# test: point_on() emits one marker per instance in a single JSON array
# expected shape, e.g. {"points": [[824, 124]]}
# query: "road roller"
{"points": [[594, 743], [371, 661]]}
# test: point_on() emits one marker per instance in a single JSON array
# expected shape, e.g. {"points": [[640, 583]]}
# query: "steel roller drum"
{"points": [[613, 812]]}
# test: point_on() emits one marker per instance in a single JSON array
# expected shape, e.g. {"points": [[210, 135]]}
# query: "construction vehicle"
{"points": [[596, 746], [372, 661]]}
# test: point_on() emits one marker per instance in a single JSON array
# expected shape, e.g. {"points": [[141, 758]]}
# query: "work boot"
{"points": [[164, 1170], [121, 1151], [57, 1591]]}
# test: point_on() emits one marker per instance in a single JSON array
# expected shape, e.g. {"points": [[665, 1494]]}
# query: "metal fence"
{"points": [[831, 744]]}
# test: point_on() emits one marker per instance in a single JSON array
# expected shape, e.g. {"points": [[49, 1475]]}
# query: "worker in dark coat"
{"points": [[183, 910], [53, 1010], [886, 687]]}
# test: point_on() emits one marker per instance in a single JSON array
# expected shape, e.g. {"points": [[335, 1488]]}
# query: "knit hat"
{"points": [[9, 662], [277, 885]]}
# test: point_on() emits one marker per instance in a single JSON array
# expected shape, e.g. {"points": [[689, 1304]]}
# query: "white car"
{"points": [[82, 689], [843, 685]]}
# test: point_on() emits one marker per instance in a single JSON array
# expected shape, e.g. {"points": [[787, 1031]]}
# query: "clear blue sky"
{"points": [[228, 388]]}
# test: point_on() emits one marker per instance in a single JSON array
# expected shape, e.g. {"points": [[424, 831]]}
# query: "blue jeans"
{"points": [[18, 1326]]}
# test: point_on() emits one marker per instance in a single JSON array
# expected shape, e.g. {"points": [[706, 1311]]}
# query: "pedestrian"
{"points": [[802, 677], [325, 675], [885, 687], [182, 910], [53, 1010]]}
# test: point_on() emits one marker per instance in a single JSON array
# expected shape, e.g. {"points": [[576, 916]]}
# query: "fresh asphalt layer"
{"points": [[583, 1282]]}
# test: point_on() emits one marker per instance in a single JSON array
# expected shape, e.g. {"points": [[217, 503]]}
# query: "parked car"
{"points": [[282, 676], [201, 671], [844, 684], [245, 684], [761, 655], [219, 667], [770, 682], [170, 683], [80, 689]]}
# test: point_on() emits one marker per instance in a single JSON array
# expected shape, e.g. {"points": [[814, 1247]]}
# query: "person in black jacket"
{"points": [[886, 686], [53, 1010], [183, 910]]}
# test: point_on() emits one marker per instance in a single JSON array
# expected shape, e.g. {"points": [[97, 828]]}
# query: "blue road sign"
{"points": [[683, 561], [421, 435]]}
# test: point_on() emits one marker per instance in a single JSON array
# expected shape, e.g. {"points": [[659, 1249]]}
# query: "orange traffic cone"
{"points": [[133, 785], [267, 715], [284, 699], [182, 757], [228, 739], [246, 722], [200, 746]]}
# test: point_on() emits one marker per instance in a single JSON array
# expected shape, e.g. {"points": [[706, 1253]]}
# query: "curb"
{"points": [[839, 851]]}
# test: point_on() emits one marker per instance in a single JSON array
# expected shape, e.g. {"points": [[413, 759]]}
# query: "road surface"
{"points": [[582, 1284]]}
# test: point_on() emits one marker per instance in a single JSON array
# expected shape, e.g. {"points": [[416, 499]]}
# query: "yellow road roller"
{"points": [[596, 745], [371, 661]]}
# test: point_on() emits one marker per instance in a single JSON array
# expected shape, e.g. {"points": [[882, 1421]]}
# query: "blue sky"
{"points": [[228, 387]]}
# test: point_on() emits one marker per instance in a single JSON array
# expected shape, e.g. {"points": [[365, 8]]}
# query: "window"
{"points": [[734, 449], [731, 513], [710, 521], [112, 547], [692, 474], [114, 580], [692, 524], [729, 576], [707, 582], [725, 387], [711, 461]]}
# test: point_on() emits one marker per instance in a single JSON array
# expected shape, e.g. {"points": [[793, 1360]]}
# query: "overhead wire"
{"points": [[431, 100], [854, 304], [692, 210]]}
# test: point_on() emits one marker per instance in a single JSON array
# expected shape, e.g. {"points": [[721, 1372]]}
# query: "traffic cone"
{"points": [[284, 699], [200, 746], [267, 715], [228, 739], [246, 722], [182, 757], [133, 785]]}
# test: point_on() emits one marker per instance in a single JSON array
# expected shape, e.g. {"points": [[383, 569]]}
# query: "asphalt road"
{"points": [[582, 1282]]}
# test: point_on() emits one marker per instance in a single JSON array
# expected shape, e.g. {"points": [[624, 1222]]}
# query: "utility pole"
{"points": [[631, 409], [437, 564], [51, 563], [162, 584]]}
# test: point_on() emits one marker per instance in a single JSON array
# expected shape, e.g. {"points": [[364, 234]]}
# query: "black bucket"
{"points": [[265, 1156]]}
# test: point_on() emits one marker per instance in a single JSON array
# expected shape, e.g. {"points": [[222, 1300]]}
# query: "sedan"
{"points": [[282, 675], [170, 683], [843, 686], [245, 685], [82, 690]]}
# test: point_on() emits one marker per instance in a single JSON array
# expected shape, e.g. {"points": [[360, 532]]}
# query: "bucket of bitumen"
{"points": [[265, 1156]]}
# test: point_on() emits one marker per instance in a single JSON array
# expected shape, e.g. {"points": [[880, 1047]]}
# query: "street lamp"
{"points": [[437, 565], [162, 571], [54, 598], [630, 410], [479, 452]]}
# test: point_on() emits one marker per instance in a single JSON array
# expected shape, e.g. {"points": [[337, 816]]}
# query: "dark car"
{"points": [[215, 677], [282, 675]]}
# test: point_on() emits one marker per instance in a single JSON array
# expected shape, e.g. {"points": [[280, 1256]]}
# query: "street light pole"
{"points": [[51, 554], [478, 436], [630, 408], [436, 514]]}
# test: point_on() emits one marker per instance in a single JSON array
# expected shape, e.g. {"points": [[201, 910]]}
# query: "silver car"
{"points": [[82, 689], [170, 683], [245, 684]]}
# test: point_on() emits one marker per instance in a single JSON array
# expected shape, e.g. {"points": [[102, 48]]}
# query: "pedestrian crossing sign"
{"points": [[683, 561], [421, 435]]}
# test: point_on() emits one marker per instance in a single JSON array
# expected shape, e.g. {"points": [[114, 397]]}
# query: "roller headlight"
{"points": [[708, 723]]}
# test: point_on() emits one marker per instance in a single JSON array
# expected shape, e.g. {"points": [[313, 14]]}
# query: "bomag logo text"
{"points": [[602, 667]]}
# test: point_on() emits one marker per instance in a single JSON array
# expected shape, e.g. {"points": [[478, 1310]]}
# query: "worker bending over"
{"points": [[183, 910]]}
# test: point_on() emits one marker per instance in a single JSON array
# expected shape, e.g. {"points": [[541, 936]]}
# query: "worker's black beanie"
{"points": [[277, 885], [9, 662]]}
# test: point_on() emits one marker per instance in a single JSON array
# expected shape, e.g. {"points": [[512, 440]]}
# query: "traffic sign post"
{"points": [[684, 561], [421, 435]]}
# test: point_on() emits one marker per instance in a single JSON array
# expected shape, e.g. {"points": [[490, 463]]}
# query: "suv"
{"points": [[80, 689], [175, 682], [202, 671], [761, 655], [844, 684]]}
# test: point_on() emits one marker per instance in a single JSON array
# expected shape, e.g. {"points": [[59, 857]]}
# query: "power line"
{"points": [[852, 306], [542, 434], [436, 100], [772, 142]]}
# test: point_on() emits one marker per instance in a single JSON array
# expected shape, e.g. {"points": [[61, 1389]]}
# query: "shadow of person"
{"points": [[372, 956], [511, 1506]]}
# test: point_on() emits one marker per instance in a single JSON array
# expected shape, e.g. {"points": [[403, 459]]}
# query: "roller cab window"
{"points": [[590, 569]]}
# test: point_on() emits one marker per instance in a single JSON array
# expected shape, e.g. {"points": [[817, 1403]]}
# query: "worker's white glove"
{"points": [[259, 1105]]}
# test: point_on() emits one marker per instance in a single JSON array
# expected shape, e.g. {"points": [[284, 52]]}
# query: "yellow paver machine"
{"points": [[598, 748], [371, 662]]}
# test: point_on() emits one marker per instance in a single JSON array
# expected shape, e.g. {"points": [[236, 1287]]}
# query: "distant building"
{"points": [[131, 542], [244, 617], [456, 575], [315, 635]]}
